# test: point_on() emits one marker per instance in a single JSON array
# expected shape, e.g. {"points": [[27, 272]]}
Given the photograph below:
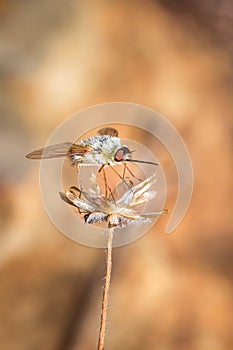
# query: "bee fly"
{"points": [[105, 149]]}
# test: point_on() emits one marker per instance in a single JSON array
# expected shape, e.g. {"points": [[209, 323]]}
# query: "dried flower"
{"points": [[115, 213], [118, 209]]}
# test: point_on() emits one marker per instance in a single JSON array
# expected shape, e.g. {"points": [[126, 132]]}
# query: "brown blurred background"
{"points": [[168, 292]]}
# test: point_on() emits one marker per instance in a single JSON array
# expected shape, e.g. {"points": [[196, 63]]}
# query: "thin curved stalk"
{"points": [[106, 290]]}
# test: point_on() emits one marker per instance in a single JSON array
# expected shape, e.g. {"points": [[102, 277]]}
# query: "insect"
{"points": [[105, 149], [114, 213]]}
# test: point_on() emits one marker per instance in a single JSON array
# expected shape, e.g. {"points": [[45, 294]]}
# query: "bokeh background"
{"points": [[168, 292]]}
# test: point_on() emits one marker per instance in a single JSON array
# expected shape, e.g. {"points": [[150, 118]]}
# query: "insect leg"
{"points": [[124, 170], [131, 173], [122, 178], [101, 168], [107, 187]]}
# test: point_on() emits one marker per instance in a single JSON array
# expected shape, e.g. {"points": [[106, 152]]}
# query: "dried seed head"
{"points": [[114, 213]]}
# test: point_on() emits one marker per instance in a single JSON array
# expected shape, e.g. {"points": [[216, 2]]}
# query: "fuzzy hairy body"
{"points": [[101, 150]]}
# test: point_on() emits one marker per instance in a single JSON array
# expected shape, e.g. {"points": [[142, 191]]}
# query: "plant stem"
{"points": [[106, 290]]}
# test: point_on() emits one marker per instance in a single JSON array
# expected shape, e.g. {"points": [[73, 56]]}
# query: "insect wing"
{"points": [[108, 131], [59, 150], [53, 151], [79, 150]]}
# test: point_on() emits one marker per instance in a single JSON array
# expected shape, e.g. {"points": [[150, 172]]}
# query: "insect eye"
{"points": [[121, 154]]}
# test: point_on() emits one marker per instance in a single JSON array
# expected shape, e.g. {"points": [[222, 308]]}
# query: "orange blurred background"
{"points": [[168, 292]]}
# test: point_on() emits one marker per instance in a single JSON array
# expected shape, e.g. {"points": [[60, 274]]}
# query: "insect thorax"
{"points": [[104, 149]]}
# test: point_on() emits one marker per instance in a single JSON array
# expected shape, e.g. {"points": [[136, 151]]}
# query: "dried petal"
{"points": [[116, 214]]}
